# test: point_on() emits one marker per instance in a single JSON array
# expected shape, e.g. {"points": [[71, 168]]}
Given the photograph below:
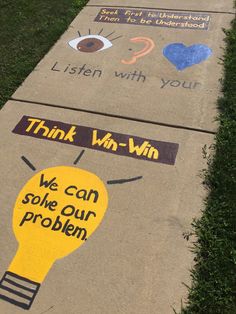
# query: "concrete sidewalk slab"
{"points": [[201, 5], [137, 259], [160, 74]]}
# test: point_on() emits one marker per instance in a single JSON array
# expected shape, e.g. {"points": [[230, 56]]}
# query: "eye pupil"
{"points": [[90, 45]]}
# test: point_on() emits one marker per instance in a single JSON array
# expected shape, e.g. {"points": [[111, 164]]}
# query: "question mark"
{"points": [[149, 45]]}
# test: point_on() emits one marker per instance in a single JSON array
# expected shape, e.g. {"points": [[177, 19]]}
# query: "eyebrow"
{"points": [[122, 181]]}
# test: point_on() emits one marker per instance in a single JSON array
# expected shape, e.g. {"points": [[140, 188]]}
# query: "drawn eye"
{"points": [[92, 43]]}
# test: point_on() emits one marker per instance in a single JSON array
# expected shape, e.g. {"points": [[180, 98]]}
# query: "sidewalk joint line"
{"points": [[173, 126], [163, 9]]}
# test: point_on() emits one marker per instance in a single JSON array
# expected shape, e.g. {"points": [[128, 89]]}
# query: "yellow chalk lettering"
{"points": [[33, 121], [153, 153], [138, 150]]}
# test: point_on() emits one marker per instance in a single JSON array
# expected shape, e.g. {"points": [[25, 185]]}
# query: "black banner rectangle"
{"points": [[93, 138], [170, 19]]}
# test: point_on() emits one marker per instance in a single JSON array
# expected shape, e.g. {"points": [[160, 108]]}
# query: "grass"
{"points": [[28, 30], [213, 289]]}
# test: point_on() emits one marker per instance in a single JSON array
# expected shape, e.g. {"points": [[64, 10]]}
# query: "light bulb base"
{"points": [[18, 290]]}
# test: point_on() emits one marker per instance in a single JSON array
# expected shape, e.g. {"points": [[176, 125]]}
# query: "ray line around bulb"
{"points": [[79, 157], [122, 181], [79, 33], [28, 163]]}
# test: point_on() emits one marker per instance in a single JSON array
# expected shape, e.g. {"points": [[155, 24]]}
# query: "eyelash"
{"points": [[92, 42]]}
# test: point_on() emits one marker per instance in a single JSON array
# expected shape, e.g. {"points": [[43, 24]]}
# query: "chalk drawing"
{"points": [[55, 213], [59, 208], [148, 47], [92, 42], [183, 57], [145, 17], [97, 139]]}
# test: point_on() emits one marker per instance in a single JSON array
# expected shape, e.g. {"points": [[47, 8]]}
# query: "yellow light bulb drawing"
{"points": [[55, 213]]}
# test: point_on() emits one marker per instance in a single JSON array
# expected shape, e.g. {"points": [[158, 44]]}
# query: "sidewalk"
{"points": [[125, 101]]}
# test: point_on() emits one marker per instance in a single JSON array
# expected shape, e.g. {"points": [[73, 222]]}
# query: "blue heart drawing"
{"points": [[183, 57]]}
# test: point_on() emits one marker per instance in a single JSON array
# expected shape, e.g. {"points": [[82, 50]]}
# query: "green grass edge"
{"points": [[28, 31], [213, 288]]}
